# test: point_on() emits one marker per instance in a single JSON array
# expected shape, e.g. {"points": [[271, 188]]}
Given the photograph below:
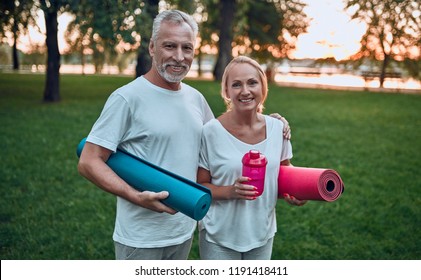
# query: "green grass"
{"points": [[48, 211]]}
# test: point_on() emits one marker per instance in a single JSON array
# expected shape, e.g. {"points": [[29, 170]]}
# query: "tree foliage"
{"points": [[393, 31], [110, 28], [103, 28], [15, 16], [266, 30], [273, 36]]}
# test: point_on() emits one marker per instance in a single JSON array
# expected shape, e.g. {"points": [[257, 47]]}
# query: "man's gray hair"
{"points": [[173, 16]]}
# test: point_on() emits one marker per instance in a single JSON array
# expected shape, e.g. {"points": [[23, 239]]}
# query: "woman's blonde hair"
{"points": [[262, 76]]}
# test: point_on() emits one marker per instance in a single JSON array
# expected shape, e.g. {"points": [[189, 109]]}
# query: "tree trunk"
{"points": [[52, 83], [225, 38], [270, 73], [15, 54], [15, 47], [199, 63], [144, 60], [82, 61], [383, 71]]}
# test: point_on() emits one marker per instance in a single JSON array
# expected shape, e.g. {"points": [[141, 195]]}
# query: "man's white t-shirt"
{"points": [[241, 225], [163, 127]]}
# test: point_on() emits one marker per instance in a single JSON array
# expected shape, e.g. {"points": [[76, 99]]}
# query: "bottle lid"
{"points": [[254, 158], [254, 154]]}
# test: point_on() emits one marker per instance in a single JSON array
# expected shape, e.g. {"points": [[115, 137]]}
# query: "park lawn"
{"points": [[48, 211]]}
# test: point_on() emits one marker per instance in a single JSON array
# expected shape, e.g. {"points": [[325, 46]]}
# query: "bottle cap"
{"points": [[254, 158], [254, 154]]}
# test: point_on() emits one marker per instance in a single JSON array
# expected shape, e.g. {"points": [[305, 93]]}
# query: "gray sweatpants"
{"points": [[176, 252], [213, 251]]}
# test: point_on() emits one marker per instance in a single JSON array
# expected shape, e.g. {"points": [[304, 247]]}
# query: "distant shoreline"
{"points": [[281, 79]]}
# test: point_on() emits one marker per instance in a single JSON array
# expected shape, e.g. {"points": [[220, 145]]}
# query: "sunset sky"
{"points": [[331, 33]]}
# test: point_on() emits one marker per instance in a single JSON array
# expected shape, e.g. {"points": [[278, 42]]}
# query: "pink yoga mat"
{"points": [[306, 183]]}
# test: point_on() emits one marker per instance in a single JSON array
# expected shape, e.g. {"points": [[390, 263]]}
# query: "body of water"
{"points": [[319, 80]]}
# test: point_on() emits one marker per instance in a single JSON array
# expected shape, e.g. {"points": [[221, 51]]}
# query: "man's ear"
{"points": [[151, 48]]}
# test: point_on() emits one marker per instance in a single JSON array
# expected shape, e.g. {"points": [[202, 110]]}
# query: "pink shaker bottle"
{"points": [[254, 167]]}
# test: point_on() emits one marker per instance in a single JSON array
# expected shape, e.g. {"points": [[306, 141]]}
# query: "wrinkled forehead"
{"points": [[176, 32]]}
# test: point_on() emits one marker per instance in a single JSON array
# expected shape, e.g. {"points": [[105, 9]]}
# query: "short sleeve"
{"points": [[112, 124], [286, 152], [204, 154]]}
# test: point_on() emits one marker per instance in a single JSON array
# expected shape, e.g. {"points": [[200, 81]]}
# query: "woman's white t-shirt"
{"points": [[241, 225]]}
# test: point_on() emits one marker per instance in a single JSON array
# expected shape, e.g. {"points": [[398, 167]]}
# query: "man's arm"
{"points": [[92, 165]]}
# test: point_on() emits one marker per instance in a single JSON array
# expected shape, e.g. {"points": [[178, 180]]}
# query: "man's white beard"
{"points": [[169, 77]]}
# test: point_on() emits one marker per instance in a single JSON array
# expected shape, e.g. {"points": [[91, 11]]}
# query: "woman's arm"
{"points": [[289, 198], [237, 190]]}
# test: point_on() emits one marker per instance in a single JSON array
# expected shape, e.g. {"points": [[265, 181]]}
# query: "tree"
{"points": [[273, 36], [51, 90], [51, 10], [79, 31], [15, 16], [108, 26], [239, 24], [227, 9], [393, 30], [209, 14], [144, 22]]}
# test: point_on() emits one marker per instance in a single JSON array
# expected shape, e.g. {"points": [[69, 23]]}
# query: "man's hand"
{"points": [[152, 201], [287, 128]]}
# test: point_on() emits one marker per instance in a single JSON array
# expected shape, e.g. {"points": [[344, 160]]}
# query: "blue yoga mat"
{"points": [[185, 196]]}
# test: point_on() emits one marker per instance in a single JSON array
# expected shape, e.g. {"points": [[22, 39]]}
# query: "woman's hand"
{"points": [[241, 190], [294, 201]]}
